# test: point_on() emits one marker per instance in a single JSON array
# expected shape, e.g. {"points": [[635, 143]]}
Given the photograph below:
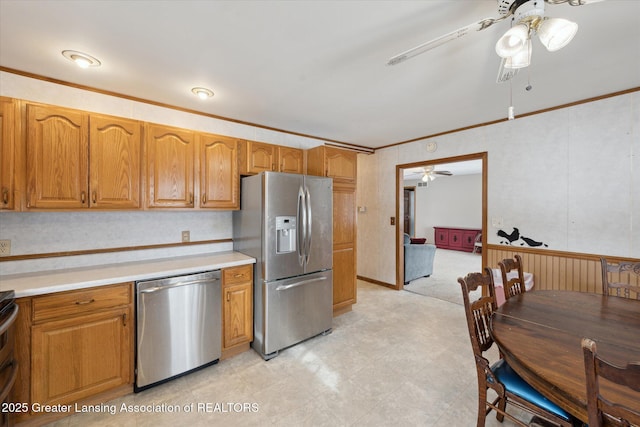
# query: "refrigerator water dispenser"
{"points": [[285, 234]]}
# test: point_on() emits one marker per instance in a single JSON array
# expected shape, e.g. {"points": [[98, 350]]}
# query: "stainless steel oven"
{"points": [[179, 326], [8, 365]]}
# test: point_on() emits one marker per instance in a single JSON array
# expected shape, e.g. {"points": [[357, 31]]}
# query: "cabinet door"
{"points": [[170, 175], [344, 246], [7, 152], [291, 160], [57, 157], [114, 162], [341, 165], [219, 177], [442, 238], [468, 239], [455, 239], [238, 314], [81, 356], [260, 157]]}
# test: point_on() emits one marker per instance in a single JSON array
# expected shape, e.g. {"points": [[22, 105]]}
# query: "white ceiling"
{"points": [[319, 67]]}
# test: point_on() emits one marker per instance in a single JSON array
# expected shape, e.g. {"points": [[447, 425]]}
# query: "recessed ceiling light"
{"points": [[202, 92], [82, 60]]}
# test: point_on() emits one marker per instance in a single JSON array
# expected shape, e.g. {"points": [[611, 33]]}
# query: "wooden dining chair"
{"points": [[602, 411], [499, 377], [617, 287], [515, 285]]}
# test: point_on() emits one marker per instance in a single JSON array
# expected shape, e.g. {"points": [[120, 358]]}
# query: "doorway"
{"points": [[401, 209]]}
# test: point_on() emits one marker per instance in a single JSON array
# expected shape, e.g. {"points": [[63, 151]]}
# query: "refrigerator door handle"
{"points": [[300, 283], [307, 248], [301, 219]]}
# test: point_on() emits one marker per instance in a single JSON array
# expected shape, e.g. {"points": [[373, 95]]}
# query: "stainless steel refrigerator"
{"points": [[285, 221]]}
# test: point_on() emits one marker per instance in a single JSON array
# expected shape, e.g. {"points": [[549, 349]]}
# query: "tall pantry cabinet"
{"points": [[341, 165]]}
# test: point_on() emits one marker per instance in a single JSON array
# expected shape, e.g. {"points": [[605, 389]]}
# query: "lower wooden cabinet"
{"points": [[74, 346], [78, 357], [237, 309]]}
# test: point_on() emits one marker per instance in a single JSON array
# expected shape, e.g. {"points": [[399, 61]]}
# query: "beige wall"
{"points": [[568, 177]]}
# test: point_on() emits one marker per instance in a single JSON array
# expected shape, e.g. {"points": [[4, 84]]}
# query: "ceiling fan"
{"points": [[514, 47], [430, 173]]}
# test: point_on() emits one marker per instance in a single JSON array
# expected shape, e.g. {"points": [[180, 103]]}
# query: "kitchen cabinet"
{"points": [[77, 160], [8, 110], [74, 345], [290, 160], [256, 157], [344, 247], [219, 177], [456, 238], [237, 309], [341, 165], [170, 166]]}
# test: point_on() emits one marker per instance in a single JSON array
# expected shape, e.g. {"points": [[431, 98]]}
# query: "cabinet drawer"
{"points": [[82, 301], [239, 274]]}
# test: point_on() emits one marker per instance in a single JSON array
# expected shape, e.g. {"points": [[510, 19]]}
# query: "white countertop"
{"points": [[45, 282]]}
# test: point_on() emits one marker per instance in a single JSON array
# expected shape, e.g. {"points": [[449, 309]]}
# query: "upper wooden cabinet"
{"points": [[290, 160], [77, 160], [219, 177], [7, 152], [114, 168], [341, 165], [57, 157], [170, 174], [256, 157]]}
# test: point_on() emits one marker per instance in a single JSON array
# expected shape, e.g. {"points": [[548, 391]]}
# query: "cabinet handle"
{"points": [[228, 296], [124, 319], [94, 197], [85, 302], [191, 198], [5, 196], [237, 275], [204, 199], [83, 197], [273, 166]]}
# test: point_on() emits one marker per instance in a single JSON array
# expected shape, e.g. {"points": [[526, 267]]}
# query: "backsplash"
{"points": [[51, 232]]}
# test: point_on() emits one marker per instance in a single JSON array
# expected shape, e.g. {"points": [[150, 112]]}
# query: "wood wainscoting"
{"points": [[555, 270]]}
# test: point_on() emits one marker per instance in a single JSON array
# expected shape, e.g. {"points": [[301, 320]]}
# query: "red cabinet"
{"points": [[456, 238]]}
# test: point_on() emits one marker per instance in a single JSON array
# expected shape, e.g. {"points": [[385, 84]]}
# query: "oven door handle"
{"points": [[12, 317]]}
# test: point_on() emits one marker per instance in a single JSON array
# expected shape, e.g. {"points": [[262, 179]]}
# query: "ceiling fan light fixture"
{"points": [[512, 41], [556, 33], [521, 59]]}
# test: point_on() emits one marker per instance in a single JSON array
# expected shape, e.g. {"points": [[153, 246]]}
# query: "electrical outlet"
{"points": [[186, 236], [5, 247], [393, 220]]}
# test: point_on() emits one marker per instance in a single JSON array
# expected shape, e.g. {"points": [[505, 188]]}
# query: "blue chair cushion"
{"points": [[516, 385]]}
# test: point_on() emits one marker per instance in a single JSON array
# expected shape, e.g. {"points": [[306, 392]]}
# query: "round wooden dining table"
{"points": [[539, 334]]}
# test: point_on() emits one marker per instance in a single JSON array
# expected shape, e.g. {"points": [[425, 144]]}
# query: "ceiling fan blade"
{"points": [[431, 44], [447, 173]]}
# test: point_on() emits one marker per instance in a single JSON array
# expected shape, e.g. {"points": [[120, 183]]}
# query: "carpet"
{"points": [[443, 283]]}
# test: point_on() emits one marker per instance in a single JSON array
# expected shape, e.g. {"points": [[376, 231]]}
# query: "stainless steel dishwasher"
{"points": [[179, 326]]}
